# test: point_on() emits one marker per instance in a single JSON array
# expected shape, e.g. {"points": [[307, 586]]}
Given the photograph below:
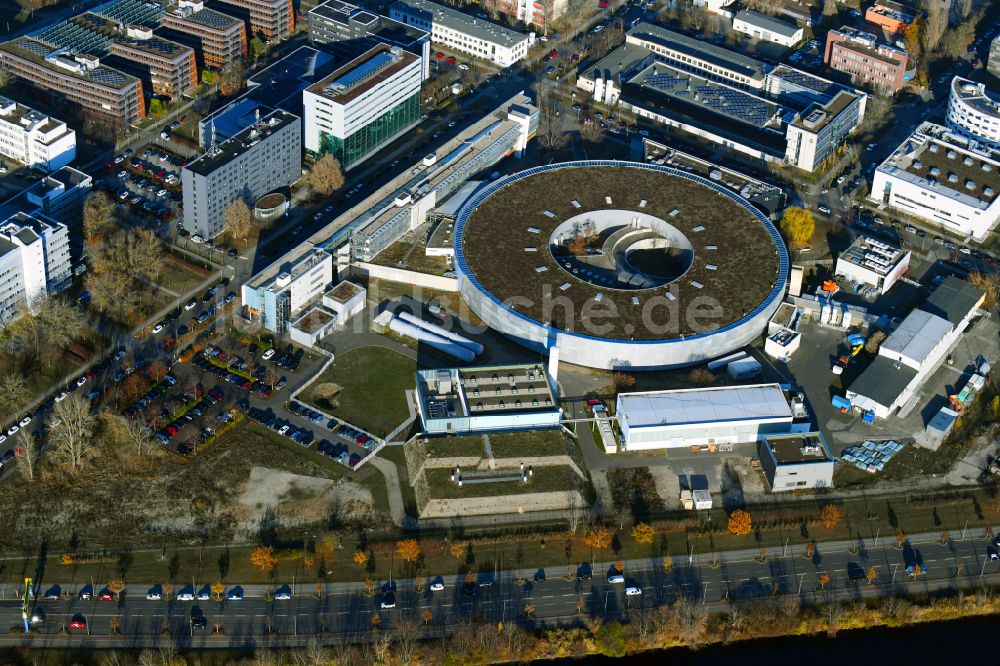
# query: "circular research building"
{"points": [[619, 264]]}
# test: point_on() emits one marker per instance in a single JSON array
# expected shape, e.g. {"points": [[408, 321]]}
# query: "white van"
{"points": [[617, 578]]}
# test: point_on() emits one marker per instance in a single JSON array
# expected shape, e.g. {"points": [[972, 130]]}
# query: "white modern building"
{"points": [[799, 461], [974, 112], [944, 178], [767, 28], [510, 397], [915, 349], [363, 106], [776, 114], [34, 262], [328, 315], [462, 32], [873, 262], [702, 417], [283, 292], [34, 139]]}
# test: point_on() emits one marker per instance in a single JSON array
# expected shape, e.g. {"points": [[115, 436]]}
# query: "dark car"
{"points": [[855, 572], [199, 622]]}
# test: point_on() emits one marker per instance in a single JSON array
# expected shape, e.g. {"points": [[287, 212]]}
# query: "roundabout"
{"points": [[619, 264]]}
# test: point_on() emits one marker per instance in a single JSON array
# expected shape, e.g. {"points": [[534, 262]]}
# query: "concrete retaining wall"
{"points": [[437, 282]]}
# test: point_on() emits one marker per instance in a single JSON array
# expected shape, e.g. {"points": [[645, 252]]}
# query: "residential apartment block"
{"points": [[974, 111], [268, 19], [34, 262], [262, 158], [463, 33], [364, 105], [942, 177], [770, 113], [861, 55], [540, 13], [348, 30], [993, 62], [218, 39], [34, 139], [80, 79]]}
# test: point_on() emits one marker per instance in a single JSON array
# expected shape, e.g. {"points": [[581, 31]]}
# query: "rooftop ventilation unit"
{"points": [[968, 161], [935, 171], [952, 177], [970, 184]]}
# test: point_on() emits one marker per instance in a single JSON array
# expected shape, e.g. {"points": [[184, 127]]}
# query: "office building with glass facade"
{"points": [[364, 105]]}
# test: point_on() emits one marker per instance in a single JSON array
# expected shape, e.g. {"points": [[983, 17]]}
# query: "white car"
{"points": [[204, 595], [463, 67], [3, 438], [282, 430], [81, 381], [185, 596], [25, 421], [62, 396], [283, 596], [197, 239], [437, 587], [617, 578], [268, 354], [633, 591], [157, 328], [153, 596], [11, 430]]}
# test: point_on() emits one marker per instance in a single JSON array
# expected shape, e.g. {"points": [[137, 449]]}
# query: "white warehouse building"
{"points": [[767, 28], [915, 349], [944, 178], [34, 139], [363, 106], [700, 417], [462, 32], [973, 111], [798, 461]]}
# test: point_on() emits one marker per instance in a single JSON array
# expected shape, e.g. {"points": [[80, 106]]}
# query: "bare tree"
{"points": [[13, 392], [574, 512], [72, 426], [132, 434], [326, 175], [553, 132], [406, 631], [27, 452], [592, 132], [237, 219], [232, 78], [935, 25], [98, 216], [40, 335]]}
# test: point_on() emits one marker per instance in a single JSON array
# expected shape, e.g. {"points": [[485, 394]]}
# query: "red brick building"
{"points": [[861, 55]]}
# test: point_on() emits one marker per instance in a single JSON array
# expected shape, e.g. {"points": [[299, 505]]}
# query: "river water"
{"points": [[958, 641]]}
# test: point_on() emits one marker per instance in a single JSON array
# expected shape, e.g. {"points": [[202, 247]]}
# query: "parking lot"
{"points": [[145, 183]]}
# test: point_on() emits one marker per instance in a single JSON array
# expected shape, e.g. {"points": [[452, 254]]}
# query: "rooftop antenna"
{"points": [[256, 114], [214, 147]]}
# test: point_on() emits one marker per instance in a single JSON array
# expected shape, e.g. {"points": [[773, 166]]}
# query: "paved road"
{"points": [[555, 595]]}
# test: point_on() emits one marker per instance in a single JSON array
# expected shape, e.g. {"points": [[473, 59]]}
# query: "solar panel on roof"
{"points": [[363, 71], [212, 19]]}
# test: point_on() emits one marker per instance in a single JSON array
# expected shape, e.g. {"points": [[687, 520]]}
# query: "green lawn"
{"points": [[373, 382], [504, 444], [544, 479]]}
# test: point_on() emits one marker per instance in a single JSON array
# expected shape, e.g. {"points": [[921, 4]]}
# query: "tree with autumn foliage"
{"points": [[740, 522], [824, 580], [598, 538], [798, 225], [360, 557], [408, 550], [116, 586], [643, 533], [830, 516], [263, 559]]}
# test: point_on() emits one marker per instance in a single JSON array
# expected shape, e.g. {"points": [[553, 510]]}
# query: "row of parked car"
{"points": [[339, 452], [347, 432], [266, 418], [133, 410], [204, 362], [213, 397]]}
